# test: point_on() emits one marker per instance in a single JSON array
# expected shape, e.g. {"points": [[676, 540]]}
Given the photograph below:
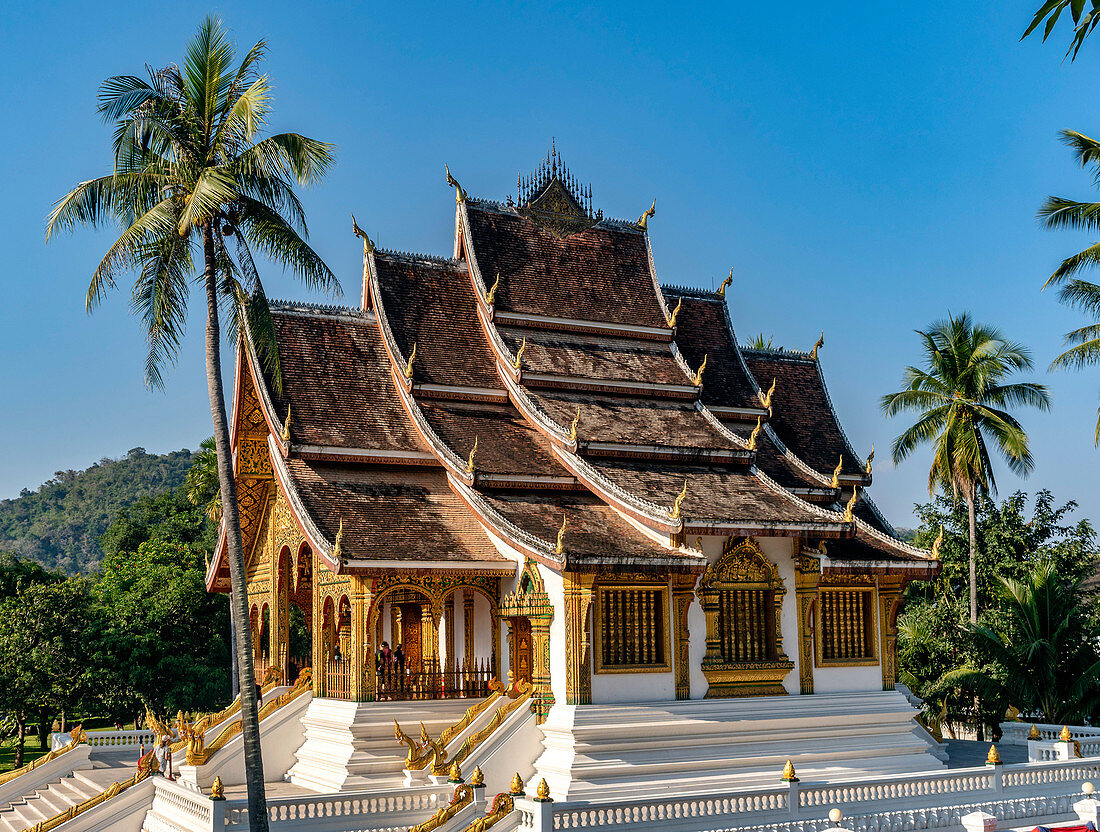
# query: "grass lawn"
{"points": [[31, 751]]}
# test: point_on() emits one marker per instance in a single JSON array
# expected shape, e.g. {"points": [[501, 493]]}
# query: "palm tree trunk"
{"points": [[238, 597], [973, 556]]}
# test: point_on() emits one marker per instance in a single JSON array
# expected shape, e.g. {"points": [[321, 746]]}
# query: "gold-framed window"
{"points": [[846, 632], [631, 629]]}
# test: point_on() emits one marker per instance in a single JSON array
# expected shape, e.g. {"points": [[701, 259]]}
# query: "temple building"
{"points": [[532, 461]]}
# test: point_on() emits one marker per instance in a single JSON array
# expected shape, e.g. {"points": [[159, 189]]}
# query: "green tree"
{"points": [[962, 394], [202, 481], [191, 177], [16, 573], [1083, 21]]}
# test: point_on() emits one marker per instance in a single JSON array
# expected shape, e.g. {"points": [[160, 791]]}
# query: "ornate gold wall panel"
{"points": [[683, 593], [890, 593], [807, 574], [530, 601], [578, 668]]}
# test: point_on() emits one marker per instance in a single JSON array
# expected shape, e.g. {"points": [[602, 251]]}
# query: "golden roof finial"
{"points": [[675, 513], [675, 312], [460, 195], [849, 510], [217, 790], [559, 547], [368, 246], [409, 363], [643, 220], [993, 758], [542, 792], [835, 483], [820, 343], [766, 398], [698, 380], [755, 433], [573, 425], [870, 459], [285, 435], [491, 296], [339, 539], [470, 459], [456, 772], [517, 362], [1065, 736], [788, 775], [516, 787], [477, 779], [726, 284], [1034, 734], [937, 544]]}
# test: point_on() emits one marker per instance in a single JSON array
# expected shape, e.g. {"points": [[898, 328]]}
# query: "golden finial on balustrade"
{"points": [[1065, 736], [542, 793], [788, 775], [217, 790], [1034, 734], [456, 772], [993, 758], [477, 779], [516, 788]]}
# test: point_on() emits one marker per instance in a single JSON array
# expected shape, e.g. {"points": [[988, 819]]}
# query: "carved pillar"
{"points": [[890, 590], [468, 627], [494, 622], [683, 592], [397, 636], [430, 631], [578, 672], [361, 653], [449, 624], [542, 697], [317, 656], [807, 575]]}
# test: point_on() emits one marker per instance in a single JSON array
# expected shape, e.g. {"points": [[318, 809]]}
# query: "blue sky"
{"points": [[864, 167]]}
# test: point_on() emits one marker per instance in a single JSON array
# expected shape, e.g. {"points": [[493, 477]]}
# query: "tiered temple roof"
{"points": [[540, 392]]}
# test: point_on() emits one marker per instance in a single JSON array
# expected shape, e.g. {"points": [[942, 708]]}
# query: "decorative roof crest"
{"points": [[558, 546], [766, 398], [409, 363], [491, 295], [470, 460], [339, 538], [675, 513], [368, 245], [675, 313], [870, 459], [820, 343], [755, 433], [517, 362], [849, 510], [554, 199], [698, 380], [937, 544], [460, 194], [726, 284], [285, 435], [643, 220], [835, 483], [573, 426]]}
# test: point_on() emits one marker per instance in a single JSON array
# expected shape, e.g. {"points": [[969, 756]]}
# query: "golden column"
{"points": [[449, 623], [683, 593], [807, 576], [543, 696], [578, 672], [468, 627], [890, 589], [361, 654]]}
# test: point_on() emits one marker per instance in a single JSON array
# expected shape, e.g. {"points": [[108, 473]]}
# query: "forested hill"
{"points": [[60, 524]]}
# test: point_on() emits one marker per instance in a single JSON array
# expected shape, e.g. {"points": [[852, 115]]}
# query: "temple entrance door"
{"points": [[411, 617], [524, 654]]}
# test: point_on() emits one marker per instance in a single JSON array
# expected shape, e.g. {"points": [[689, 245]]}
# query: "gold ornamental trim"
{"points": [[520, 693], [463, 796], [77, 736], [186, 730], [420, 753], [73, 811], [502, 806]]}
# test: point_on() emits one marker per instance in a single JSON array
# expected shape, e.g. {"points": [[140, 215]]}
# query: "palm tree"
{"points": [[1047, 662], [1083, 21], [191, 176], [961, 395], [201, 481], [1058, 212]]}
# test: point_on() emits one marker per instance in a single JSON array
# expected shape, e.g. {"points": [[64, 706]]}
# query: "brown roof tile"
{"points": [[601, 274]]}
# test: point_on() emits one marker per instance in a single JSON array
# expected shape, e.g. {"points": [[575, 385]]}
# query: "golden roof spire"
{"points": [[675, 312], [339, 539], [726, 284], [820, 343], [517, 362], [409, 363], [573, 426], [675, 513], [491, 295], [285, 436], [368, 246], [836, 473], [559, 548], [870, 459], [766, 398], [937, 543], [698, 380], [643, 220], [849, 515], [460, 195], [470, 460], [755, 433]]}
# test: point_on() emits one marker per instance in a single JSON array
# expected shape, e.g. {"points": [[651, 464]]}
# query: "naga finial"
{"points": [[675, 513], [368, 245], [726, 284], [409, 363], [460, 195], [339, 540], [675, 312], [559, 548], [870, 459], [491, 295], [835, 483], [755, 433], [285, 435], [698, 380], [643, 220], [849, 510], [573, 426], [470, 459], [517, 362], [820, 343], [937, 544], [766, 398]]}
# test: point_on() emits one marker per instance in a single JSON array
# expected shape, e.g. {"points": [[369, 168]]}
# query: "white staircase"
{"points": [[60, 795], [690, 747]]}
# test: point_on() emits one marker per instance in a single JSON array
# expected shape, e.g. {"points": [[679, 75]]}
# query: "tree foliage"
{"points": [[1085, 14]]}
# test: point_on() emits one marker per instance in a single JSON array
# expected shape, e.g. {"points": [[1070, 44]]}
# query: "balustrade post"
{"points": [[997, 778], [217, 814], [794, 789]]}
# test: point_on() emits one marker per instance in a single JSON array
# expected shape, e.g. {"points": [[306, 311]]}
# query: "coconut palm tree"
{"points": [[962, 396], [192, 180], [1083, 21]]}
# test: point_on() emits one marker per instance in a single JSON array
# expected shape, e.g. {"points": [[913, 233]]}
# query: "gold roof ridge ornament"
{"points": [[460, 194], [698, 380], [937, 544], [368, 244], [726, 284], [675, 312], [643, 220], [870, 459], [285, 435], [675, 513], [517, 362], [491, 295], [849, 510], [835, 482], [339, 539], [820, 343], [573, 425], [755, 433], [766, 398], [470, 459], [409, 363], [559, 548]]}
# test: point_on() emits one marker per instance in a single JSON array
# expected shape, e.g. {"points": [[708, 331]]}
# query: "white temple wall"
{"points": [[609, 688], [847, 679]]}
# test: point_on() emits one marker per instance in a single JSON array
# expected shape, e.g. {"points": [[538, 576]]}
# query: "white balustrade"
{"points": [[1016, 733], [109, 740]]}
